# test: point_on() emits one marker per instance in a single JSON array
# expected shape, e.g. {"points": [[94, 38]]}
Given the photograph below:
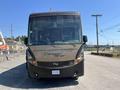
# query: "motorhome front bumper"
{"points": [[56, 72]]}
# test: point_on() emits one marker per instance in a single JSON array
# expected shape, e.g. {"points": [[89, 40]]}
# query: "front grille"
{"points": [[56, 64]]}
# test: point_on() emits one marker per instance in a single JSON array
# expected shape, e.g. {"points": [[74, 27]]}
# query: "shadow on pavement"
{"points": [[17, 78]]}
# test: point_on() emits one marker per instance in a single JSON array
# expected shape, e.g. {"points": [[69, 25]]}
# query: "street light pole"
{"points": [[11, 31], [97, 36]]}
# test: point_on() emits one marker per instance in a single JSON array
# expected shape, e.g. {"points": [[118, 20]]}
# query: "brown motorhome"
{"points": [[55, 45]]}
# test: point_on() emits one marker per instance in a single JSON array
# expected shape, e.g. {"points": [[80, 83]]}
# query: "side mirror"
{"points": [[26, 41], [85, 39]]}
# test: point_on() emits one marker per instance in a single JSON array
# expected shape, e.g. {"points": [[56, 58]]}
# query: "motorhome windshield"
{"points": [[52, 30]]}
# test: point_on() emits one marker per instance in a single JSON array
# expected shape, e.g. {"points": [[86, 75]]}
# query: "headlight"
{"points": [[79, 59]]}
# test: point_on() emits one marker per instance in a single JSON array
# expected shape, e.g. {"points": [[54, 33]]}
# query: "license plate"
{"points": [[55, 72]]}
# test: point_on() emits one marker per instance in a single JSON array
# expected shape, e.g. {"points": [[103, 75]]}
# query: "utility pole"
{"points": [[96, 16], [11, 31]]}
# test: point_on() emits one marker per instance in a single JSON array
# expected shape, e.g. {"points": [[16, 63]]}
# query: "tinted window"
{"points": [[47, 30]]}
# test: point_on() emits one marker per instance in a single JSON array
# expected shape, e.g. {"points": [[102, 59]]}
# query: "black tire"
{"points": [[75, 78], [28, 73]]}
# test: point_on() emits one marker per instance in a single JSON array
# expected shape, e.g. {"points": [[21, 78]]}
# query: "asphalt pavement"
{"points": [[101, 73]]}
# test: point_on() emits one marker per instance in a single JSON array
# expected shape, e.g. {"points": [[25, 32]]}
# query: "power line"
{"points": [[111, 20], [104, 36], [108, 39], [118, 30], [109, 28]]}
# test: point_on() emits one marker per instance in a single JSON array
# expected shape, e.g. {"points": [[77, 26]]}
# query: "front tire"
{"points": [[75, 78], [28, 72]]}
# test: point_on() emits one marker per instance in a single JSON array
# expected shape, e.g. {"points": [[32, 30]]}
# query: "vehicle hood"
{"points": [[50, 53]]}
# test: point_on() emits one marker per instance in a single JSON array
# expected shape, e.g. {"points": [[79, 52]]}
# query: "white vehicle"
{"points": [[3, 45]]}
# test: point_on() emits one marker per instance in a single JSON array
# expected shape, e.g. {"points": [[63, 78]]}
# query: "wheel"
{"points": [[28, 73], [75, 78]]}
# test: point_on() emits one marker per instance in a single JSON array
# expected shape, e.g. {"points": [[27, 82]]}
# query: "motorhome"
{"points": [[55, 45]]}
